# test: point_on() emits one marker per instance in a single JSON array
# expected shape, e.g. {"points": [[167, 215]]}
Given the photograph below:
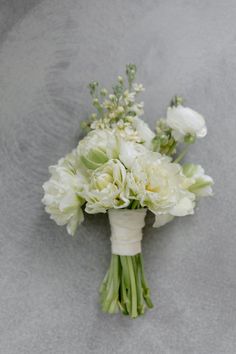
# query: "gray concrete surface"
{"points": [[49, 51]]}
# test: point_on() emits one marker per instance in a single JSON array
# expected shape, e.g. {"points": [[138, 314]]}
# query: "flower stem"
{"points": [[182, 154], [125, 287]]}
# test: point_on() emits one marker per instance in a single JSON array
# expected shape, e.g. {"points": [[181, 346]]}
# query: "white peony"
{"points": [[201, 184], [97, 148], [62, 196], [185, 121], [107, 188], [160, 185]]}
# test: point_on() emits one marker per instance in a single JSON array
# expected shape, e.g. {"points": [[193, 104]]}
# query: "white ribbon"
{"points": [[126, 230]]}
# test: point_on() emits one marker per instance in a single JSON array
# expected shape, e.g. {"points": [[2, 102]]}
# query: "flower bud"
{"points": [[103, 92], [120, 79], [190, 138]]}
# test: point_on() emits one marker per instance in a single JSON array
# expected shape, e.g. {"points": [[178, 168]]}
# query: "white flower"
{"points": [[144, 132], [62, 196], [125, 131], [107, 188], [161, 220], [201, 184], [129, 150], [97, 148], [138, 87], [129, 97], [160, 185], [185, 121], [137, 108]]}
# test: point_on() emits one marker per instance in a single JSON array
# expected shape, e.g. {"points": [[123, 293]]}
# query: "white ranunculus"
{"points": [[107, 188], [184, 121], [62, 196], [160, 185], [201, 183], [97, 148], [144, 132]]}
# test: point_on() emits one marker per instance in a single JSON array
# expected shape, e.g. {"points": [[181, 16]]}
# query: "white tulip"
{"points": [[97, 148], [185, 121], [201, 183], [107, 188], [161, 220]]}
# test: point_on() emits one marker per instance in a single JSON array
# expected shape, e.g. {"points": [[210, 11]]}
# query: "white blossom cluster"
{"points": [[122, 163]]}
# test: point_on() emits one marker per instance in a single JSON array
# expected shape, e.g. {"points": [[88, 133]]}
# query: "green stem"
{"points": [[133, 288], [125, 287], [182, 154]]}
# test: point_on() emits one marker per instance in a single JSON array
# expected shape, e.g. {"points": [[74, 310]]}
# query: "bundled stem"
{"points": [[125, 287]]}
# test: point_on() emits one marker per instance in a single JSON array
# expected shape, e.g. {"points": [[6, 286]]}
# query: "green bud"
{"points": [[118, 90], [84, 124], [164, 139], [156, 143], [190, 138], [103, 92], [95, 101], [176, 101], [120, 80], [93, 116], [131, 70], [93, 87], [112, 98]]}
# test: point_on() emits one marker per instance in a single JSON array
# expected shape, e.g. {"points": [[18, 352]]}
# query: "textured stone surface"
{"points": [[48, 54]]}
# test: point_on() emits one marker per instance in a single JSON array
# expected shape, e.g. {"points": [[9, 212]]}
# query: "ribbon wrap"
{"points": [[126, 230]]}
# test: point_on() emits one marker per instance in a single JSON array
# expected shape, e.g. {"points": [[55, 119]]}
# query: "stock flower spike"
{"points": [[123, 168]]}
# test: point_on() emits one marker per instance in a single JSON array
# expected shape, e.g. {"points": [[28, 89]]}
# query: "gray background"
{"points": [[49, 51]]}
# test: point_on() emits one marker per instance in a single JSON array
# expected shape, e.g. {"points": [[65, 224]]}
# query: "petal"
{"points": [[161, 220]]}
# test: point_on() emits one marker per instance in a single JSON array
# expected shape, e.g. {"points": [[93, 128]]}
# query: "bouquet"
{"points": [[123, 168]]}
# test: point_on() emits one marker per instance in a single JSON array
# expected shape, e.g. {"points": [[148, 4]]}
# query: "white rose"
{"points": [[184, 121], [160, 185], [62, 196], [107, 188]]}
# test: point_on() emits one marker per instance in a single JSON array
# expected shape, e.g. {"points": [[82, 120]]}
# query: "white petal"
{"points": [[161, 220], [184, 207], [184, 120], [145, 133], [129, 151]]}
